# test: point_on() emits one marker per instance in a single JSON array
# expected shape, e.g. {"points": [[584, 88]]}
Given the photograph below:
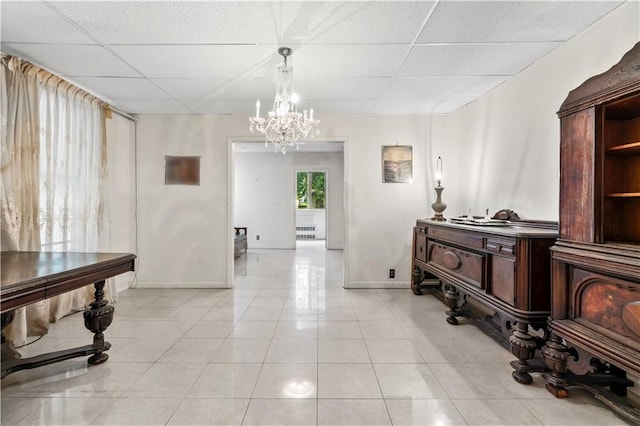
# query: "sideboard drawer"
{"points": [[465, 239], [460, 262]]}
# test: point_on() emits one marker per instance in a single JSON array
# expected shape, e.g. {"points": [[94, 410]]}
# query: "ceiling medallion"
{"points": [[284, 126]]}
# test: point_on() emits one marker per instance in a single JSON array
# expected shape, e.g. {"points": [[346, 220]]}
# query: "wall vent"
{"points": [[306, 232]]}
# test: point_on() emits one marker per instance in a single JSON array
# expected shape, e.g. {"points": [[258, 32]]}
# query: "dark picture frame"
{"points": [[181, 170]]}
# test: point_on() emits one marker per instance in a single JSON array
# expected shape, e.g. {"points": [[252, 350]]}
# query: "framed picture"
{"points": [[397, 164], [181, 170]]}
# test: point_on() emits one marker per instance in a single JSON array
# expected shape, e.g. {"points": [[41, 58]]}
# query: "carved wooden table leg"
{"points": [[523, 346], [555, 355], [451, 298], [8, 354], [97, 318], [417, 276]]}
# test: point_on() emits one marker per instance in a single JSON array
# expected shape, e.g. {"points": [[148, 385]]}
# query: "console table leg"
{"points": [[523, 346], [555, 355], [451, 298], [96, 319], [417, 276]]}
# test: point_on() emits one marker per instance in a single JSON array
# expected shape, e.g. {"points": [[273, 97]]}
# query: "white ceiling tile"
{"points": [[220, 88], [438, 87], [498, 21], [122, 87], [222, 106], [35, 22], [340, 88], [451, 104], [318, 61], [420, 106], [339, 106], [72, 60], [151, 106], [473, 59], [335, 22], [403, 106], [193, 61], [159, 22]]}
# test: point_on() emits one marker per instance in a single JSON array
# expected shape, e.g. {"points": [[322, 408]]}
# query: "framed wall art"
{"points": [[397, 164], [181, 170]]}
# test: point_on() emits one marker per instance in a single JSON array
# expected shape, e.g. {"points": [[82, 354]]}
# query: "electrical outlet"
{"points": [[257, 237], [392, 273]]}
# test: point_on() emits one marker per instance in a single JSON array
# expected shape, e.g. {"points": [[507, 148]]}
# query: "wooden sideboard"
{"points": [[595, 317], [504, 269]]}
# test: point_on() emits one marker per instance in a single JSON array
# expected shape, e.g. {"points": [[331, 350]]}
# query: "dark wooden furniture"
{"points": [[504, 269], [28, 277], [240, 241], [595, 316]]}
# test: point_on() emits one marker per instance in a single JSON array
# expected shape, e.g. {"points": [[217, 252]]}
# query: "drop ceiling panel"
{"points": [[164, 22], [122, 88], [437, 87], [473, 59], [192, 61], [345, 88], [209, 88], [73, 60], [349, 57], [508, 21], [35, 22], [223, 106], [151, 106], [319, 61], [339, 106], [335, 22], [420, 106]]}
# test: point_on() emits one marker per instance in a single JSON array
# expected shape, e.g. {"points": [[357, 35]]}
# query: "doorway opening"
{"points": [[287, 201], [311, 207]]}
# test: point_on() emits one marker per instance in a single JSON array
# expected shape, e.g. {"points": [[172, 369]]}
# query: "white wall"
{"points": [[121, 186], [183, 237], [502, 151], [183, 234], [264, 195]]}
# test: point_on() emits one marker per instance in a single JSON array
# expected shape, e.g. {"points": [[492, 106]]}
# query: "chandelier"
{"points": [[284, 125]]}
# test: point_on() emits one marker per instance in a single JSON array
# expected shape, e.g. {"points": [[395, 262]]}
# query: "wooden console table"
{"points": [[28, 277], [504, 269]]}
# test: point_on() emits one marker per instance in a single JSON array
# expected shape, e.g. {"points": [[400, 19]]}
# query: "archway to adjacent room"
{"points": [[264, 197]]}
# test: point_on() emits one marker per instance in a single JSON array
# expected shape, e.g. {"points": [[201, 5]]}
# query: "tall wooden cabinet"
{"points": [[595, 304]]}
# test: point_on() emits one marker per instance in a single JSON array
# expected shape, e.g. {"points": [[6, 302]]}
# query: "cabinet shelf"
{"points": [[624, 195], [626, 149]]}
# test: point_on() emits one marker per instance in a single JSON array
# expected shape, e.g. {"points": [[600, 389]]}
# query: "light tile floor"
{"points": [[287, 345]]}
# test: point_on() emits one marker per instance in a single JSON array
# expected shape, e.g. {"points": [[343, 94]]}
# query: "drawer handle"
{"points": [[493, 246], [421, 249], [451, 260]]}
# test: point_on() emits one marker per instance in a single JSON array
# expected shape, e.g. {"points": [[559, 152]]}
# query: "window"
{"points": [[310, 190]]}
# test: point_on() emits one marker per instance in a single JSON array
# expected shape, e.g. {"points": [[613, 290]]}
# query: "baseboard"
{"points": [[379, 284], [182, 284]]}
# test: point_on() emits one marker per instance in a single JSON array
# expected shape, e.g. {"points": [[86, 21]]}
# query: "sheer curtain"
{"points": [[57, 164], [73, 172]]}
